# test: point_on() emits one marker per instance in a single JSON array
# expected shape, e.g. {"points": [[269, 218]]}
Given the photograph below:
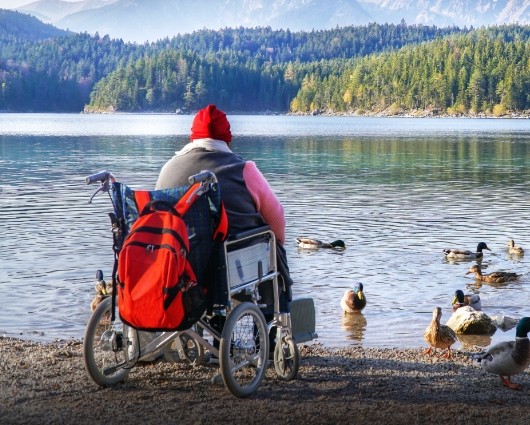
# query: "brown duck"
{"points": [[513, 249], [438, 335], [495, 277]]}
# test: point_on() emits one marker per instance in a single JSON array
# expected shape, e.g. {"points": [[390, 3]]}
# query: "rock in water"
{"points": [[505, 323], [467, 320]]}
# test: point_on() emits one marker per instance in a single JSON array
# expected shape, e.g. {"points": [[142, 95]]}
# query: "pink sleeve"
{"points": [[267, 203]]}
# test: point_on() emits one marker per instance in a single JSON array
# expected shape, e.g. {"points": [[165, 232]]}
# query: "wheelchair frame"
{"points": [[112, 348]]}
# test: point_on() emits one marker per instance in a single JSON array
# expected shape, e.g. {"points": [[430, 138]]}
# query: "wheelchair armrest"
{"points": [[248, 233]]}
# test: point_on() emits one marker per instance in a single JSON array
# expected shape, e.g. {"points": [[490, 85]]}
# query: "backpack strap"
{"points": [[221, 233], [141, 198], [187, 200]]}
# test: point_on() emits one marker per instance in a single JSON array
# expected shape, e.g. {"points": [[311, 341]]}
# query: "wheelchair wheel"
{"points": [[184, 347], [244, 350], [286, 359], [105, 346]]}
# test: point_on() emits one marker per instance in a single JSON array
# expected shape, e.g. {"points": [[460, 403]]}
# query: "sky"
{"points": [[11, 4]]}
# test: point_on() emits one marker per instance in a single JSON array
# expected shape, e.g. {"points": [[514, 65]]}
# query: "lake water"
{"points": [[396, 190]]}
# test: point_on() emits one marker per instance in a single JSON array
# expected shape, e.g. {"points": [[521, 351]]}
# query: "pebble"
{"points": [[43, 383]]}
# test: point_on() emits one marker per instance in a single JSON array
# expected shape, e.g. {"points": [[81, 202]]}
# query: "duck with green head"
{"points": [[509, 358], [101, 294], [353, 300], [461, 300], [464, 254], [310, 243], [103, 290]]}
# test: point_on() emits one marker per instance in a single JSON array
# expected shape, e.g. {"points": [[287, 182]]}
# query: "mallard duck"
{"points": [[100, 279], [461, 300], [101, 294], [515, 250], [309, 243], [439, 336], [495, 277], [460, 254], [509, 358], [353, 300]]}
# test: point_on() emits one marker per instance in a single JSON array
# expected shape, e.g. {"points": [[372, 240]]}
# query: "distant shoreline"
{"points": [[418, 114], [380, 114]]}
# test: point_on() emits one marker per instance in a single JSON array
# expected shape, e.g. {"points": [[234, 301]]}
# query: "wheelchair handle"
{"points": [[105, 177], [102, 177], [205, 176]]}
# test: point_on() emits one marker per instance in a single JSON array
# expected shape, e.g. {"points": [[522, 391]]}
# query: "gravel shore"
{"points": [[46, 383]]}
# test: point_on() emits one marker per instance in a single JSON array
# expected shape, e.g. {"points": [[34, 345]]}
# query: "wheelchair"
{"points": [[233, 331]]}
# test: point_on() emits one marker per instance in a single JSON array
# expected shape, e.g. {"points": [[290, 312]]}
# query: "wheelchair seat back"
{"points": [[202, 220]]}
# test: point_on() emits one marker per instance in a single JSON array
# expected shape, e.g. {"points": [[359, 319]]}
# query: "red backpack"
{"points": [[158, 288]]}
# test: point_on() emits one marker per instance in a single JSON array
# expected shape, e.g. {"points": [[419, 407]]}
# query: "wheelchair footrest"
{"points": [[303, 320]]}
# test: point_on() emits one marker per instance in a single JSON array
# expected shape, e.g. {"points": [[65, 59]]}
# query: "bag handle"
{"points": [[158, 205], [181, 208]]}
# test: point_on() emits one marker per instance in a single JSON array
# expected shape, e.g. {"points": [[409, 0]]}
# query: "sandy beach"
{"points": [[46, 383]]}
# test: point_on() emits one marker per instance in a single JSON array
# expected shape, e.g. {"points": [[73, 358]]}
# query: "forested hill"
{"points": [[484, 72], [44, 69], [282, 46], [257, 70], [18, 27], [243, 69]]}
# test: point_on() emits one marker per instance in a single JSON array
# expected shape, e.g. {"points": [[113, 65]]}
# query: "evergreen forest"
{"points": [[364, 69], [486, 71]]}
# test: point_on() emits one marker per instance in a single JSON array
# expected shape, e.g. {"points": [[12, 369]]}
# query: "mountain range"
{"points": [[151, 20]]}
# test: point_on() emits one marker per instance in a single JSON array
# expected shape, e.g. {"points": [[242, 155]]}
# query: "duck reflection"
{"points": [[479, 284], [474, 341], [515, 258], [354, 324]]}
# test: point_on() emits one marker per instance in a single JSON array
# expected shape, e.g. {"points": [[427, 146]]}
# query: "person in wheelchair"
{"points": [[249, 200]]}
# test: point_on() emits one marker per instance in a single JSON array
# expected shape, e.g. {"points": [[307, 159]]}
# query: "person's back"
{"points": [[248, 198], [229, 170]]}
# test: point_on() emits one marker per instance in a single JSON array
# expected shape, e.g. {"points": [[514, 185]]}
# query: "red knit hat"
{"points": [[211, 122]]}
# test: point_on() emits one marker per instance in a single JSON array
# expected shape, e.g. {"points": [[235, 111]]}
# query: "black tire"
{"points": [[192, 350], [286, 359], [244, 350], [104, 346]]}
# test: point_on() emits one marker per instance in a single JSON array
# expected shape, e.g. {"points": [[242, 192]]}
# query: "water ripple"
{"points": [[397, 198]]}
